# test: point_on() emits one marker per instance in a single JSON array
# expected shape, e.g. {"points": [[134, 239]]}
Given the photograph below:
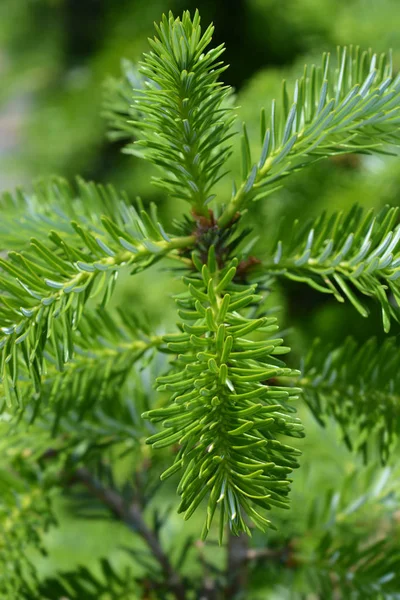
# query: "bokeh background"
{"points": [[54, 58]]}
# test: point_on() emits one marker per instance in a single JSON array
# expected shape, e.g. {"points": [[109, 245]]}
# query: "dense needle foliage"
{"points": [[88, 398]]}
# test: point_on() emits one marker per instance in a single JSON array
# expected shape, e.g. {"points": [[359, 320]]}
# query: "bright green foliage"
{"points": [[359, 386], [46, 287], [224, 414], [353, 107], [104, 352], [77, 372], [182, 117], [346, 254], [94, 216]]}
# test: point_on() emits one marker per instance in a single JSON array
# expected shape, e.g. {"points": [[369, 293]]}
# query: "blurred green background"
{"points": [[54, 58]]}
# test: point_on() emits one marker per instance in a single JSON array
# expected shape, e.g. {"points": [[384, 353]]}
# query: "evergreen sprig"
{"points": [[184, 122], [56, 209], [359, 386], [55, 205], [347, 255], [352, 107], [45, 288], [224, 414], [105, 350], [69, 368]]}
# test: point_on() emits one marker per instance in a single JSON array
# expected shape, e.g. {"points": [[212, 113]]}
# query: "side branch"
{"points": [[352, 107], [132, 516], [237, 564], [45, 293]]}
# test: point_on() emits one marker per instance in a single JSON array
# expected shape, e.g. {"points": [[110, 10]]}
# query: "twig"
{"points": [[208, 590], [239, 558], [257, 553], [237, 564], [132, 516]]}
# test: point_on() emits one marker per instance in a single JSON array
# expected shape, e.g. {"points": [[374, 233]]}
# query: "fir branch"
{"points": [[230, 403], [346, 255], [54, 204], [62, 212], [105, 349], [45, 288], [132, 516], [352, 107], [359, 386], [184, 122], [223, 413]]}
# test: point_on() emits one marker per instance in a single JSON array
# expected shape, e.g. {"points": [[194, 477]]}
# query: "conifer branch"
{"points": [[351, 108], [359, 386], [76, 215], [55, 205], [230, 402], [45, 288], [105, 351], [223, 414], [347, 255], [132, 516], [183, 120]]}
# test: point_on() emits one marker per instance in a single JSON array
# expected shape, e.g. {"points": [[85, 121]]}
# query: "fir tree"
{"points": [[78, 374]]}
